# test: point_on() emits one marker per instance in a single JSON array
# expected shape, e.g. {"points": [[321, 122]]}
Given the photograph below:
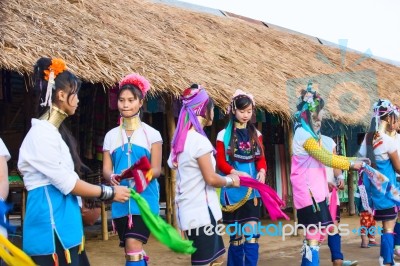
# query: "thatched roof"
{"points": [[103, 40]]}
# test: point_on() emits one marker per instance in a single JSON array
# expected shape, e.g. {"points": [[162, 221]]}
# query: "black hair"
{"points": [[239, 103], [137, 94], [369, 137], [69, 83], [210, 107], [66, 81]]}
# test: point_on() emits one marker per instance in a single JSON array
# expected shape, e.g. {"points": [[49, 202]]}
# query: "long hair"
{"points": [[369, 137], [240, 103], [69, 83]]}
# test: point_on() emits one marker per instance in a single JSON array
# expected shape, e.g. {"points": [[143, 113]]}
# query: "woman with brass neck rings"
{"points": [[50, 164], [381, 149], [126, 146]]}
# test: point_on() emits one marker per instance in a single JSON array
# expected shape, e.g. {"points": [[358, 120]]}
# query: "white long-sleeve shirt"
{"points": [[44, 158], [3, 150]]}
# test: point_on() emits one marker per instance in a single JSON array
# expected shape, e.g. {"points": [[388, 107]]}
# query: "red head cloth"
{"points": [[136, 80]]}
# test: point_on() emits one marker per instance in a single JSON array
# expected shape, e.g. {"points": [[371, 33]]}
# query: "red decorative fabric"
{"points": [[139, 172]]}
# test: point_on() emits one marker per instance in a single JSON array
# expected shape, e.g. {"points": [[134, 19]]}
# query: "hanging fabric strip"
{"points": [[333, 203], [364, 198], [271, 200], [163, 232]]}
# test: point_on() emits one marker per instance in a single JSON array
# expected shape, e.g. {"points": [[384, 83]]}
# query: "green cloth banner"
{"points": [[162, 231]]}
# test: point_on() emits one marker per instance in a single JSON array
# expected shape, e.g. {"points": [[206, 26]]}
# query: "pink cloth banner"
{"points": [[333, 204], [269, 197]]}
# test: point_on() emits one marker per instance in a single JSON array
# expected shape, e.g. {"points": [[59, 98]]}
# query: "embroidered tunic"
{"points": [[244, 161]]}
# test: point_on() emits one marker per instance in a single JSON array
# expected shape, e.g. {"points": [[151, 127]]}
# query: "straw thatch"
{"points": [[103, 40]]}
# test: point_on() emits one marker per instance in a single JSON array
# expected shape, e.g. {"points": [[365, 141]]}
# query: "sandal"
{"points": [[372, 244], [364, 246]]}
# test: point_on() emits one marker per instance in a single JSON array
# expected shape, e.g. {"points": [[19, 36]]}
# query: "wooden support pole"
{"points": [[213, 135], [171, 179], [289, 131], [150, 122], [104, 225], [104, 214], [350, 185]]}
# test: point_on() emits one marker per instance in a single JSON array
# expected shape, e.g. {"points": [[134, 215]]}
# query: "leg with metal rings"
{"points": [[235, 252], [135, 259], [251, 250], [310, 253]]}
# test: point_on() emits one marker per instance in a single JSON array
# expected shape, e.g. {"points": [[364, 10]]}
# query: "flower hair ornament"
{"points": [[57, 67], [308, 101], [237, 95], [383, 104], [138, 81]]}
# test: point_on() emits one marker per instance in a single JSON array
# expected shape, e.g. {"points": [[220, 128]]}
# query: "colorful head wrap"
{"points": [[381, 108], [194, 103], [136, 80], [307, 102]]}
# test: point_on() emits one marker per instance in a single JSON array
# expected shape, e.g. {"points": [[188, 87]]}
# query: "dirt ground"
{"points": [[273, 251]]}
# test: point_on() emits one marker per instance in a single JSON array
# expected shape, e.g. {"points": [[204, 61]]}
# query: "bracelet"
{"points": [[229, 181], [107, 192]]}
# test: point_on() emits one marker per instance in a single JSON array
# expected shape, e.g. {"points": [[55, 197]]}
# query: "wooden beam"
{"points": [[104, 225], [350, 196], [289, 131], [171, 179]]}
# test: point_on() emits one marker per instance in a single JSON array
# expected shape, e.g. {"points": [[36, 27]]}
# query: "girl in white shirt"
{"points": [[4, 157], [382, 150], [123, 147], [49, 162], [196, 200]]}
